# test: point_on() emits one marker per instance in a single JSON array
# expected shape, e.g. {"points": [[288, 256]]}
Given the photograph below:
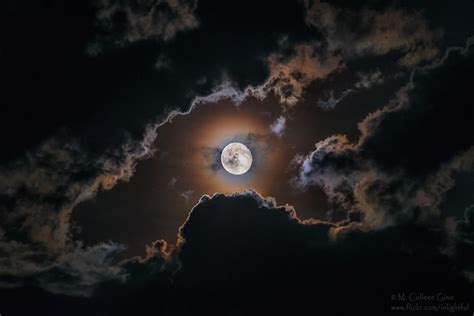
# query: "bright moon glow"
{"points": [[236, 158]]}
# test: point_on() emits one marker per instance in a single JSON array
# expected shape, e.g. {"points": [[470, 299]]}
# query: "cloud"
{"points": [[348, 34], [368, 80], [132, 21], [243, 253], [331, 103], [366, 31], [240, 252], [74, 272], [157, 256], [232, 231], [163, 62], [289, 76], [227, 90], [173, 181], [291, 65], [187, 195], [278, 127], [40, 191], [397, 172]]}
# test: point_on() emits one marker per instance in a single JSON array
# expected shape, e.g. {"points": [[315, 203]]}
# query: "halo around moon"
{"points": [[236, 158]]}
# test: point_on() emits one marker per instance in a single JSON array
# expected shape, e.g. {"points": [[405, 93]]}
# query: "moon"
{"points": [[236, 158]]}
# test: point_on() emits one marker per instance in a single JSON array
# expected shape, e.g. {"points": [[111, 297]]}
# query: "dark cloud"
{"points": [[348, 33], [359, 31], [408, 152], [244, 254], [39, 193], [126, 22], [255, 255], [289, 76]]}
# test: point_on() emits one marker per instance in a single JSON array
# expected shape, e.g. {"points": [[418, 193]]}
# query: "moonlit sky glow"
{"points": [[187, 165]]}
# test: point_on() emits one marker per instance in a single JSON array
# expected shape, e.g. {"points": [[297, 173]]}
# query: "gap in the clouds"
{"points": [[158, 198]]}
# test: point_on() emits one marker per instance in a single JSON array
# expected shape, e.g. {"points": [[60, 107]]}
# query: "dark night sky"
{"points": [[359, 116]]}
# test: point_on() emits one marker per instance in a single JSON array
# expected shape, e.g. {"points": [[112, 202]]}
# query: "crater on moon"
{"points": [[236, 158]]}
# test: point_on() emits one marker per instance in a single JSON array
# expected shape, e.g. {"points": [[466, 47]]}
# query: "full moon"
{"points": [[236, 158]]}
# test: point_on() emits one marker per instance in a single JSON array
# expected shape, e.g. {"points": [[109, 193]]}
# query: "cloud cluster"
{"points": [[245, 254], [229, 252], [404, 162], [126, 22], [289, 76], [345, 34], [348, 34], [39, 193], [361, 31]]}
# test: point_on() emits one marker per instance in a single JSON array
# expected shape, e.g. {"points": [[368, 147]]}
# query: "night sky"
{"points": [[359, 118]]}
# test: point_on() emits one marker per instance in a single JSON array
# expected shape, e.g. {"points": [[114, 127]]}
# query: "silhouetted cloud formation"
{"points": [[127, 22], [404, 161], [106, 75]]}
